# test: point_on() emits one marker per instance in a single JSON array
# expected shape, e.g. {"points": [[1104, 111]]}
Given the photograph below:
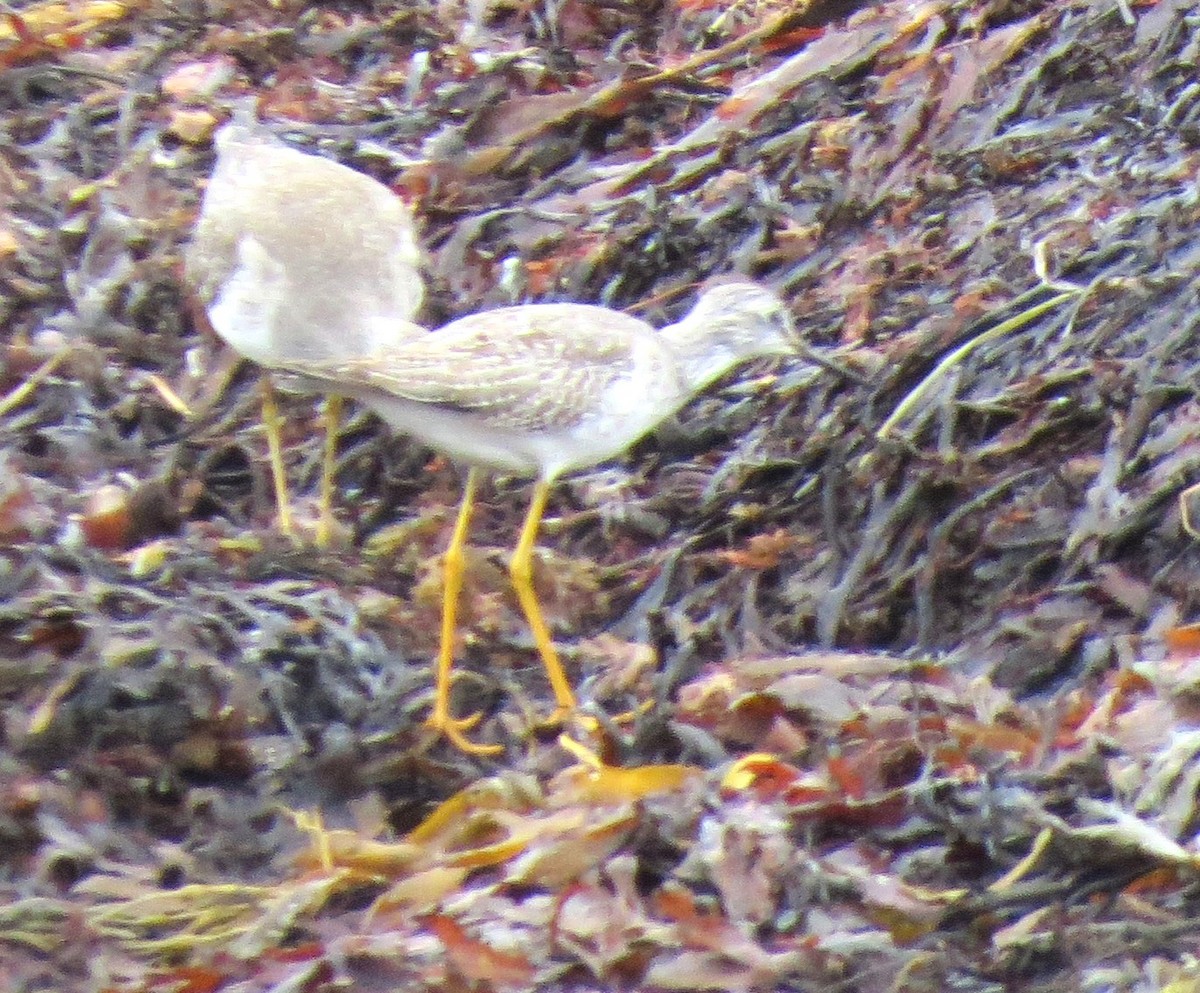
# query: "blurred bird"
{"points": [[298, 258]]}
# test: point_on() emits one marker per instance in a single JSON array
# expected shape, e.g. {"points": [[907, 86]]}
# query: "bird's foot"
{"points": [[304, 530], [557, 721], [590, 723], [325, 531], [629, 716], [285, 524], [454, 731]]}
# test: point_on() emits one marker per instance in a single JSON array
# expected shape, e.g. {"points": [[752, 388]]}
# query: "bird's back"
{"points": [[537, 389]]}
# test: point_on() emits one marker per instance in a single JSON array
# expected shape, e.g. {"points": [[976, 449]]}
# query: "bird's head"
{"points": [[748, 319], [728, 325]]}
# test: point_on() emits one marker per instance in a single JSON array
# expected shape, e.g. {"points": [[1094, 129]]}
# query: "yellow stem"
{"points": [[333, 415], [273, 423]]}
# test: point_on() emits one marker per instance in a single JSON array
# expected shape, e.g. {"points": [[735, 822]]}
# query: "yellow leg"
{"points": [[273, 422], [455, 562], [521, 570], [333, 415]]}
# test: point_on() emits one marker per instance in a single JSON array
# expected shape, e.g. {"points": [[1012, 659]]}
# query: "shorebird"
{"points": [[296, 257], [540, 390]]}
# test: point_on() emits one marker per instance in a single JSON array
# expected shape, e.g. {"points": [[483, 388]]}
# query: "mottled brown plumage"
{"points": [[544, 388], [501, 362]]}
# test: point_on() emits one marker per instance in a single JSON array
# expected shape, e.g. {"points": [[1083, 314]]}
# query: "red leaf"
{"points": [[848, 778], [476, 961]]}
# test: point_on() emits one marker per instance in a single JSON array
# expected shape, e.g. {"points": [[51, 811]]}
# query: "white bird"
{"points": [[540, 390]]}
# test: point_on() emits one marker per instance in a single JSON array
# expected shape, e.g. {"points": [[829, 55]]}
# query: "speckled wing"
{"points": [[538, 367]]}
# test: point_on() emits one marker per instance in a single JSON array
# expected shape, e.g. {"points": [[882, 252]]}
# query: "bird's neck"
{"points": [[698, 356]]}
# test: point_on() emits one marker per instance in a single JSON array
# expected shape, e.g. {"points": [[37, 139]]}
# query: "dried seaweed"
{"points": [[914, 613]]}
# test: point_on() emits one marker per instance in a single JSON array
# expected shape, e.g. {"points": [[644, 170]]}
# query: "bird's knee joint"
{"points": [[521, 569]]}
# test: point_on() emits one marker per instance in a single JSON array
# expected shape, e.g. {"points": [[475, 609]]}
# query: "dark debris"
{"points": [[1003, 516]]}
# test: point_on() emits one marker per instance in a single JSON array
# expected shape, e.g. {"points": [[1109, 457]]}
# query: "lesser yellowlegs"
{"points": [[297, 257], [540, 390]]}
